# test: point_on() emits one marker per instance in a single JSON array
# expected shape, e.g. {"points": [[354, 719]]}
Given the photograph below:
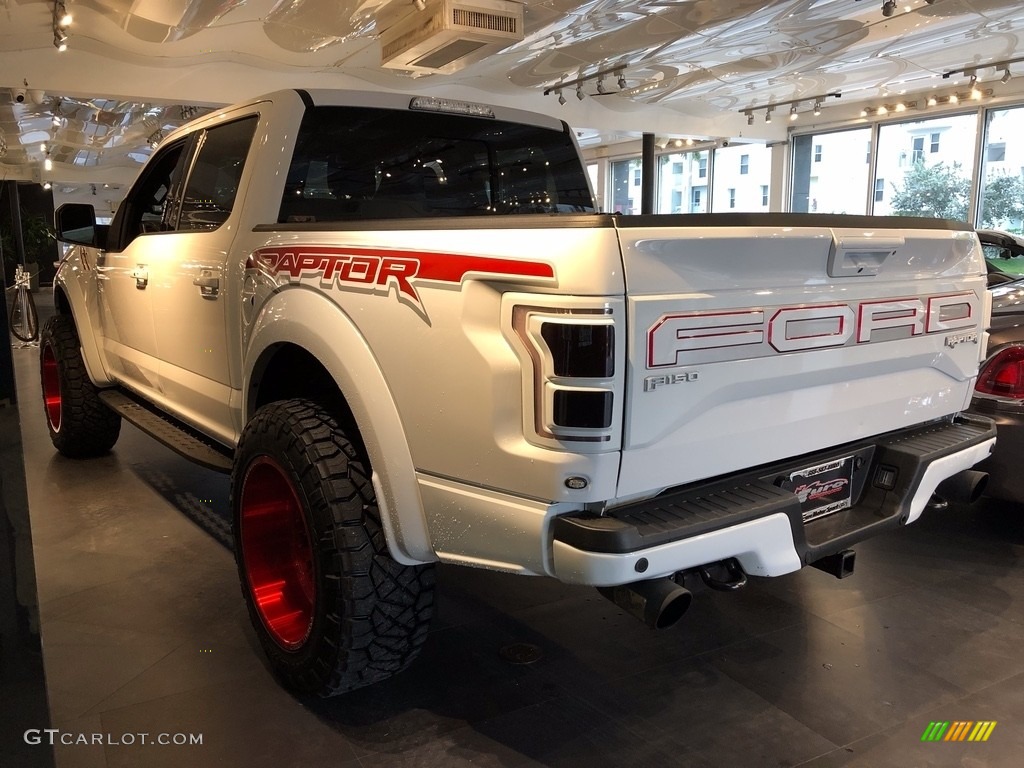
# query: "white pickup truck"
{"points": [[401, 326]]}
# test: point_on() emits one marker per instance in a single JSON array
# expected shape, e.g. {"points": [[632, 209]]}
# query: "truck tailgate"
{"points": [[755, 342]]}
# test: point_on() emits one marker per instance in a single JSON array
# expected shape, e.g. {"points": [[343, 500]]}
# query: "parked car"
{"points": [[999, 393]]}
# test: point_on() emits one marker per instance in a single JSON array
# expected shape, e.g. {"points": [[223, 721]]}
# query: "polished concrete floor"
{"points": [[144, 631]]}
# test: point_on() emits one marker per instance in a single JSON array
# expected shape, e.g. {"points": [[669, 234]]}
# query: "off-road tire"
{"points": [[80, 424], [369, 615]]}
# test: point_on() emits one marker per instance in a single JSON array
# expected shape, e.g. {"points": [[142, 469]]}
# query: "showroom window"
{"points": [[937, 180], [625, 186], [837, 184], [1001, 178], [363, 163], [734, 188], [681, 175]]}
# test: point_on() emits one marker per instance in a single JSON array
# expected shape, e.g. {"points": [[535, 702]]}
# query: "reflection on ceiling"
{"points": [[136, 68]]}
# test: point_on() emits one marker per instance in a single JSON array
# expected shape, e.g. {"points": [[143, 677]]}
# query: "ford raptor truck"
{"points": [[401, 326]]}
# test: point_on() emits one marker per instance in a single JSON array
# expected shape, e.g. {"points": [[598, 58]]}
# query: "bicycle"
{"points": [[24, 318]]}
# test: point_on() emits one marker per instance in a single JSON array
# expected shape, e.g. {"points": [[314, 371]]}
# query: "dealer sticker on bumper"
{"points": [[822, 489]]}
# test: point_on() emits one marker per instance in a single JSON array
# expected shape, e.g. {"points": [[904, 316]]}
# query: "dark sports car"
{"points": [[999, 392]]}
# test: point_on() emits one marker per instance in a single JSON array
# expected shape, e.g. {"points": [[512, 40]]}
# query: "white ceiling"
{"points": [[690, 65]]}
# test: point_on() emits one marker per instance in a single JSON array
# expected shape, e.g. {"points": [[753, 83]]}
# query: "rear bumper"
{"points": [[751, 518]]}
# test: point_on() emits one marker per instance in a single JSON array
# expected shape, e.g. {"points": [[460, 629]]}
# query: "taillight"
{"points": [[573, 359], [1003, 375]]}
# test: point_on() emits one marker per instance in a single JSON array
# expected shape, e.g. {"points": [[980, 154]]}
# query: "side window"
{"points": [[213, 181], [150, 205]]}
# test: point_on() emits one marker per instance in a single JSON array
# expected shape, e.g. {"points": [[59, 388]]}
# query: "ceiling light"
{"points": [[817, 108], [767, 115], [561, 96], [622, 81], [864, 113], [901, 107], [1006, 76], [932, 101], [47, 185], [975, 94], [750, 117], [48, 164], [600, 84], [61, 17], [420, 5], [954, 99], [42, 147], [882, 110], [792, 113], [689, 142], [579, 91], [888, 8]]}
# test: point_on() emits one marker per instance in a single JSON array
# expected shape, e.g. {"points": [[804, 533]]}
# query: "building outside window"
{"points": [[764, 195], [680, 176], [817, 153], [839, 182], [937, 181], [737, 175], [1002, 172]]}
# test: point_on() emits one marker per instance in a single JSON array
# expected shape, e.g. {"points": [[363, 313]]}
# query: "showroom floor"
{"points": [[144, 631]]}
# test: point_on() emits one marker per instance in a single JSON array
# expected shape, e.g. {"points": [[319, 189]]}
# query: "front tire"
{"points": [[80, 424], [332, 609]]}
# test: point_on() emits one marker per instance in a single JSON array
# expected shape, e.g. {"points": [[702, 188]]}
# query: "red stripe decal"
{"points": [[378, 268]]}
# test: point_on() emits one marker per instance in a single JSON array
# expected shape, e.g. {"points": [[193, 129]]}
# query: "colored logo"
{"points": [[959, 730]]}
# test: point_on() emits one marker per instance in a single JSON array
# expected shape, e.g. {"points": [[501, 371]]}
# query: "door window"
{"points": [[215, 175]]}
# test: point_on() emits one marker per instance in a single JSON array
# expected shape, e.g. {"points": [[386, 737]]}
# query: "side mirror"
{"points": [[75, 223]]}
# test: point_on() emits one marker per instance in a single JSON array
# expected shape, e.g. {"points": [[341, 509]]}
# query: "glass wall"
{"points": [[831, 172], [1002, 171], [924, 167], [683, 179], [742, 178], [625, 184]]}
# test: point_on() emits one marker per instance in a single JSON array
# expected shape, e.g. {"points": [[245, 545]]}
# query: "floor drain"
{"points": [[521, 653]]}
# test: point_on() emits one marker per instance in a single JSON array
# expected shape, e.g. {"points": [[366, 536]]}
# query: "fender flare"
{"points": [[300, 317], [71, 280]]}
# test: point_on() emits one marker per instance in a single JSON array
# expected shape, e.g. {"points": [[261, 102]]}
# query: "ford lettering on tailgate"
{"points": [[687, 338]]}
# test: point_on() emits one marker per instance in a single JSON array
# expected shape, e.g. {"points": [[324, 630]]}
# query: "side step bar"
{"points": [[172, 433]]}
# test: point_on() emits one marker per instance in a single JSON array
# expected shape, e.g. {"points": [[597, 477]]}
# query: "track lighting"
{"points": [[888, 8], [420, 5], [792, 113], [793, 104], [47, 163], [1006, 76], [817, 107], [768, 115], [750, 117], [597, 76], [61, 15], [561, 97]]}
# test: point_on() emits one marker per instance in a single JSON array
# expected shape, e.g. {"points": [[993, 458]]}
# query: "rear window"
{"points": [[361, 163]]}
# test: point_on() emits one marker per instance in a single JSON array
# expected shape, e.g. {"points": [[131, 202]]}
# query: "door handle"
{"points": [[141, 275], [209, 287]]}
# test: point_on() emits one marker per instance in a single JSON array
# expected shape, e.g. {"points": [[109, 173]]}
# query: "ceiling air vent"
{"points": [[449, 34]]}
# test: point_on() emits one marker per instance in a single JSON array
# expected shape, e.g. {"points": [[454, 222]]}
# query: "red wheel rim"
{"points": [[277, 553], [51, 388]]}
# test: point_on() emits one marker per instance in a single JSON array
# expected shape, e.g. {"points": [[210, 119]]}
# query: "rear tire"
{"points": [[332, 609], [80, 424]]}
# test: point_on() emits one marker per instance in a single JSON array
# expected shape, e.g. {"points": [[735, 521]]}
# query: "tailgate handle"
{"points": [[860, 256]]}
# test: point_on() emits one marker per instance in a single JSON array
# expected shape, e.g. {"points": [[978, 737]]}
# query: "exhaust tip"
{"points": [[658, 603], [966, 486]]}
